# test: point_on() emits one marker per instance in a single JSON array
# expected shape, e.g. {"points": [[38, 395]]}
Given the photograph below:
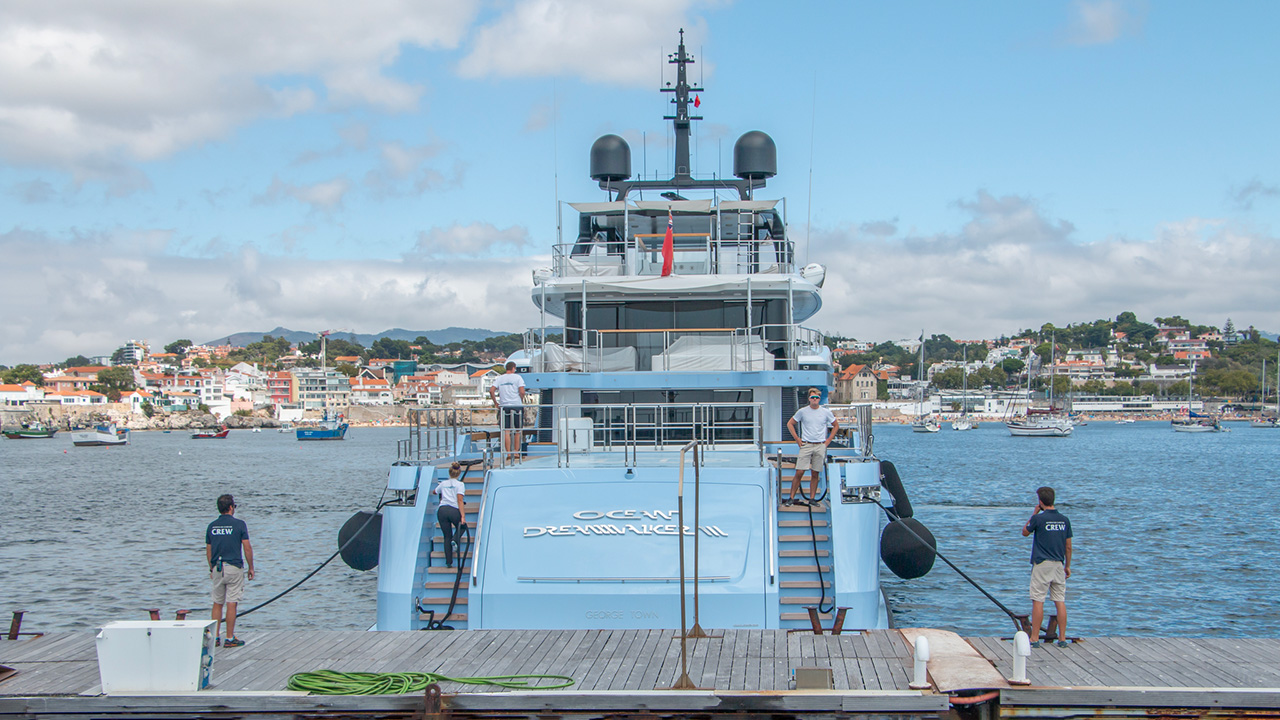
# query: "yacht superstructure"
{"points": [[670, 355]]}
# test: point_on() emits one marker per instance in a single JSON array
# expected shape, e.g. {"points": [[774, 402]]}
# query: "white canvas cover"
{"points": [[748, 205], [673, 205], [714, 352], [598, 207], [557, 358]]}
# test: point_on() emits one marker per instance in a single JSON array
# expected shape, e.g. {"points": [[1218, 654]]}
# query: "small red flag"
{"points": [[668, 248], [697, 101]]}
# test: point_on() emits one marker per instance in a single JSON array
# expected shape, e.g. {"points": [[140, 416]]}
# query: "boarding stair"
{"points": [[803, 581], [433, 577]]}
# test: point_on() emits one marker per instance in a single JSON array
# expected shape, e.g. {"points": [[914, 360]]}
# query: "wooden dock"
{"points": [[625, 672]]}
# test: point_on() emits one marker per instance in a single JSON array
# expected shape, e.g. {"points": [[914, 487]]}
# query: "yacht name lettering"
{"points": [[625, 515], [610, 529]]}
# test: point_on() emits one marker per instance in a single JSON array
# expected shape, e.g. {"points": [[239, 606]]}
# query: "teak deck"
{"points": [[743, 671]]}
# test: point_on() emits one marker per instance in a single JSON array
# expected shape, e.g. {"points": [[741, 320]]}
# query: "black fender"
{"points": [[360, 540], [891, 481], [903, 552]]}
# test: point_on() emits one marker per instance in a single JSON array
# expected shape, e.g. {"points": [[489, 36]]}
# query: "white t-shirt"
{"points": [[813, 423], [509, 385], [449, 490]]}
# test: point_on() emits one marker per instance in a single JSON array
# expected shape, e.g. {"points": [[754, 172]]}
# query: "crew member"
{"points": [[227, 548], [507, 394], [1050, 561], [813, 440]]}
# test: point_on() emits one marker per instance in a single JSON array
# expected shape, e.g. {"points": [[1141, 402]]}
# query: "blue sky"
{"points": [[189, 170]]}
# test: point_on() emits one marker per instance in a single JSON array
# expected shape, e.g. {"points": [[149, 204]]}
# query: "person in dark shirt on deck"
{"points": [[226, 547], [1050, 561]]}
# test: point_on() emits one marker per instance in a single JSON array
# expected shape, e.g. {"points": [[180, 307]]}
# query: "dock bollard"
{"points": [[1021, 651], [920, 674]]}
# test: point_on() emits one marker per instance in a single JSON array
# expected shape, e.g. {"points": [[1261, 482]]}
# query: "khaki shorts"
{"points": [[1048, 575], [811, 457], [228, 585]]}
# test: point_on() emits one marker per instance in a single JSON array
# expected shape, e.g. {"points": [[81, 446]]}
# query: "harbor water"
{"points": [[1174, 533]]}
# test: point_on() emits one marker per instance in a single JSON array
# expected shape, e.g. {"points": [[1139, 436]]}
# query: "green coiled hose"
{"points": [[332, 682]]}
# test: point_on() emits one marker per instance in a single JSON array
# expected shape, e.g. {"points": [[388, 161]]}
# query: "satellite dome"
{"points": [[755, 157], [610, 159]]}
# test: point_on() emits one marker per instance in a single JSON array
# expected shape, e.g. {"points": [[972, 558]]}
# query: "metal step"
{"points": [[798, 584], [804, 616], [803, 538], [800, 568], [800, 553], [817, 522], [448, 585], [440, 554], [440, 570], [821, 509], [802, 600], [462, 600], [456, 617]]}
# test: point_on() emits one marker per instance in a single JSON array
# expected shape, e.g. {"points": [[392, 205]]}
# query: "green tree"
{"points": [[19, 374], [1011, 366], [388, 348], [77, 361], [178, 347], [114, 381], [148, 409], [348, 369], [119, 357], [949, 379], [1061, 385]]}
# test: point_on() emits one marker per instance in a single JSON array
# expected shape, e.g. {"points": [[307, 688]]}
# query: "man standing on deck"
{"points": [[226, 547], [813, 440], [1050, 561], [507, 393]]}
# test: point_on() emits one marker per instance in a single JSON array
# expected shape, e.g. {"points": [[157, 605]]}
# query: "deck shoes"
{"points": [[1035, 644], [232, 642], [1063, 643]]}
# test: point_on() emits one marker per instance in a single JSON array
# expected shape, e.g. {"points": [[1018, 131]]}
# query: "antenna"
{"points": [[555, 150], [813, 123]]}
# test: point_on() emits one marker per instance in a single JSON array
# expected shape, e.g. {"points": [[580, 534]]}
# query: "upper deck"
{"points": [[624, 239]]}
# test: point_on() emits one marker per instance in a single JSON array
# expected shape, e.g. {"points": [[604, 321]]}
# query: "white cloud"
{"points": [[321, 196], [1010, 266], [90, 294], [614, 43], [86, 86], [1101, 22], [473, 240]]}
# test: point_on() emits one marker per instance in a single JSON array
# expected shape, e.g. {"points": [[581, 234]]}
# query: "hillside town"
{"points": [[1149, 368]]}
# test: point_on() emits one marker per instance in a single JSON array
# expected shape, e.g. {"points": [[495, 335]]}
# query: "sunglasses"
{"points": [[815, 397]]}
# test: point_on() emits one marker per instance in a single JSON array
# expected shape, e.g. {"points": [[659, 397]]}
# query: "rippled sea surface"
{"points": [[1175, 534]]}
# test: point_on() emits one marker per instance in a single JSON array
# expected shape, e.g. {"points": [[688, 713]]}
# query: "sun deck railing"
{"points": [[752, 349], [692, 254], [620, 434]]}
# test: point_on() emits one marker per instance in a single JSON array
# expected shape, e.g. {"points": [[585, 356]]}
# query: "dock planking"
{"points": [[636, 662]]}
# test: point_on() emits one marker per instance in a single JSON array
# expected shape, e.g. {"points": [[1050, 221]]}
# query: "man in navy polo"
{"points": [[1050, 561], [226, 547]]}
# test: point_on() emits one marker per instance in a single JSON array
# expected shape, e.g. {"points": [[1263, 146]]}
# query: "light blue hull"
{"points": [[594, 547]]}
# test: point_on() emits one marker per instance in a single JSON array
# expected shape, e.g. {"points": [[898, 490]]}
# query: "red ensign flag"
{"points": [[697, 101], [668, 248]]}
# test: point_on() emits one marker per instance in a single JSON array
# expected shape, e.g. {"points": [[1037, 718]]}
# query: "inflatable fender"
{"points": [[360, 540], [891, 481], [903, 553]]}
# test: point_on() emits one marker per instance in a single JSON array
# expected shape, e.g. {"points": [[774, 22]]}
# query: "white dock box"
{"points": [[575, 434], [155, 655]]}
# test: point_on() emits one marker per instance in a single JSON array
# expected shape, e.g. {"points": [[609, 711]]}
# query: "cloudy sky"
{"points": [[187, 170]]}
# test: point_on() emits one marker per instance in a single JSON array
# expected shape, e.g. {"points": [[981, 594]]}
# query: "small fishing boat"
{"points": [[1125, 421], [213, 435], [34, 430], [1264, 420], [331, 428], [106, 435]]}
